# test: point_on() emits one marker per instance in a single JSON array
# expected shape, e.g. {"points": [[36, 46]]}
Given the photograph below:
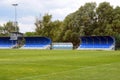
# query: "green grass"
{"points": [[59, 65]]}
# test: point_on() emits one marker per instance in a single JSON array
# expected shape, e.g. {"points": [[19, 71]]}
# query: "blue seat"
{"points": [[38, 42], [5, 42], [96, 42]]}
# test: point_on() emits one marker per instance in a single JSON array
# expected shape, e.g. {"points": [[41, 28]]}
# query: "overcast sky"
{"points": [[28, 10]]}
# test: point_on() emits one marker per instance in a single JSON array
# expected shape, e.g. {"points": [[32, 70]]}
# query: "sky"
{"points": [[29, 10]]}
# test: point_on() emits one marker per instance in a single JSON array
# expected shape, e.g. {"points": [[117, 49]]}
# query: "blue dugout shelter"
{"points": [[97, 43]]}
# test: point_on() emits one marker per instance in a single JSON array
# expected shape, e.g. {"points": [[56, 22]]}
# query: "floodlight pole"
{"points": [[15, 23]]}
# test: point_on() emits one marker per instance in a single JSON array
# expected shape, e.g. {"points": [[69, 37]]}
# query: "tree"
{"points": [[30, 34], [116, 20], [81, 22], [88, 20], [43, 27], [1, 30], [56, 29], [67, 36], [75, 39], [116, 26], [86, 16], [39, 26], [104, 18], [7, 28], [47, 27]]}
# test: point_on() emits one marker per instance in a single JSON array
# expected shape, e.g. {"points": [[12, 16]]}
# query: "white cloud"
{"points": [[27, 19], [23, 27], [60, 13], [26, 27], [29, 9], [26, 24]]}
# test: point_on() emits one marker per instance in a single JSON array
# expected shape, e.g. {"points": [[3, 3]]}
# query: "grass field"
{"points": [[59, 65]]}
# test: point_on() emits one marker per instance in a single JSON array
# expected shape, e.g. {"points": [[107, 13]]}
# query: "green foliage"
{"points": [[7, 28], [43, 27], [56, 29], [48, 28], [80, 23], [39, 26], [105, 17], [88, 20], [67, 36], [117, 38], [2, 30], [75, 39], [30, 34]]}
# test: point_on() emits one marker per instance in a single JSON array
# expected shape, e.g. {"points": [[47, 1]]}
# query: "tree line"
{"points": [[88, 20], [7, 28]]}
